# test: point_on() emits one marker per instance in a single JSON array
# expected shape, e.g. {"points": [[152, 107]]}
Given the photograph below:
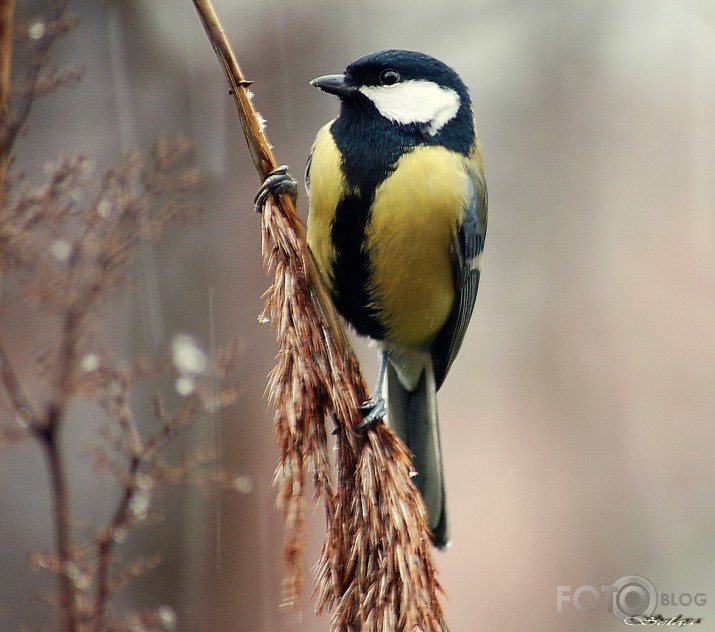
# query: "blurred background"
{"points": [[578, 420]]}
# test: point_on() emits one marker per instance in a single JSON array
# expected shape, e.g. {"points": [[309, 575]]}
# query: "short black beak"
{"points": [[333, 84]]}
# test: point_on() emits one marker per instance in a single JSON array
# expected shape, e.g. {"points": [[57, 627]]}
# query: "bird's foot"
{"points": [[277, 181], [374, 410]]}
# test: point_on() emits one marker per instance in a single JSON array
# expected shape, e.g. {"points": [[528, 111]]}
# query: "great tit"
{"points": [[397, 220]]}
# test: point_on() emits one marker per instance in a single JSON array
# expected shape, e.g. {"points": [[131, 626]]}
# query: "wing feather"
{"points": [[467, 247]]}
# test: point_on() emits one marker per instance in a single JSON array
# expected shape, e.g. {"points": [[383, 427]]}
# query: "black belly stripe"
{"points": [[351, 269], [367, 159]]}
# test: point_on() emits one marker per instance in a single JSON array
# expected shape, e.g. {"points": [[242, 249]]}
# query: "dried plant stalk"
{"points": [[7, 11], [30, 85], [69, 242], [66, 243], [376, 570]]}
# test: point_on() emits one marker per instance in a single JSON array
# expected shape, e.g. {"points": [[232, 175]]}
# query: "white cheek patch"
{"points": [[415, 101]]}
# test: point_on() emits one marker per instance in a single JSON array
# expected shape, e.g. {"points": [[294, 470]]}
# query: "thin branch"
{"points": [[120, 519], [14, 123], [264, 160], [60, 502], [68, 244], [258, 144], [7, 12], [47, 429], [20, 402], [12, 120]]}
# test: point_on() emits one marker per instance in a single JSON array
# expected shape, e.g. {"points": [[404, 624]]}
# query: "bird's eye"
{"points": [[389, 77]]}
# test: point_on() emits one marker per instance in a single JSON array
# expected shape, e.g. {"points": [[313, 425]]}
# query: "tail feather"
{"points": [[413, 416]]}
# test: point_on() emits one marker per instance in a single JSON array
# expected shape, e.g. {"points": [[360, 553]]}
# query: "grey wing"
{"points": [[467, 246]]}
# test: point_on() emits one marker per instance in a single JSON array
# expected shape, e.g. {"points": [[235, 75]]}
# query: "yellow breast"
{"points": [[327, 187], [414, 216]]}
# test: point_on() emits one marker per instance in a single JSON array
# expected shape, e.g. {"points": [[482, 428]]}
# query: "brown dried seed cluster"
{"points": [[376, 570]]}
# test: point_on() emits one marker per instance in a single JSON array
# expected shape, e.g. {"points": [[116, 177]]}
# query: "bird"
{"points": [[397, 220]]}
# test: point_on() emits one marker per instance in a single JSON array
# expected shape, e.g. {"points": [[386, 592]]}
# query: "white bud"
{"points": [[37, 30], [89, 362], [188, 358], [167, 617], [185, 386], [61, 249]]}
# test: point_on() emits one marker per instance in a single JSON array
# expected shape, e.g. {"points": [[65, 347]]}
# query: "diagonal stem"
{"points": [[264, 160], [60, 499]]}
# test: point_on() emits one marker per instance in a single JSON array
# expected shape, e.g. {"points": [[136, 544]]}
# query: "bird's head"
{"points": [[407, 88]]}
